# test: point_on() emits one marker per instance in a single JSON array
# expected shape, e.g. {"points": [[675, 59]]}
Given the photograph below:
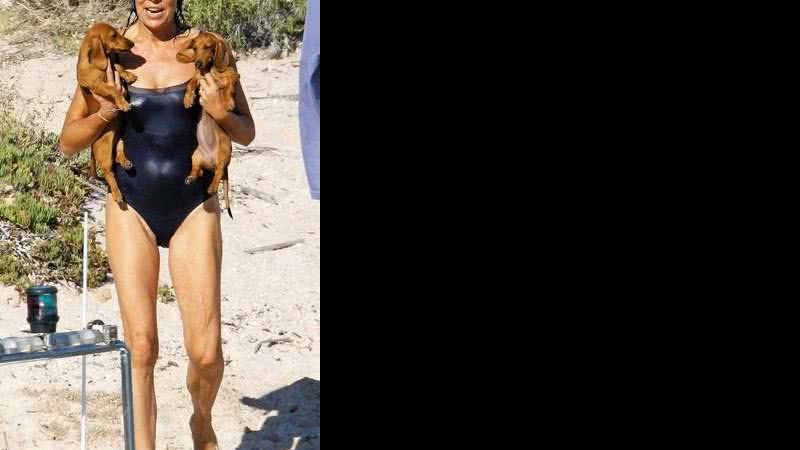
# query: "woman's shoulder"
{"points": [[195, 31], [129, 30], [192, 33]]}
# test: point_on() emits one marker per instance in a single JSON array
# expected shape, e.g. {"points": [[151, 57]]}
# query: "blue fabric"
{"points": [[310, 97]]}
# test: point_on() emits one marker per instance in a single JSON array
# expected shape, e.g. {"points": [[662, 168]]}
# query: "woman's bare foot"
{"points": [[203, 434]]}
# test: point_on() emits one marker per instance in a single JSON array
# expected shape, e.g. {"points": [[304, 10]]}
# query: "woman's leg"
{"points": [[134, 259], [195, 261]]}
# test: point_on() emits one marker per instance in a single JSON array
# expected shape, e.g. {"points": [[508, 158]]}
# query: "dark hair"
{"points": [[180, 21]]}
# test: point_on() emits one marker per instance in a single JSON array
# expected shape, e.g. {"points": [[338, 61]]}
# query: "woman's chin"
{"points": [[156, 23]]}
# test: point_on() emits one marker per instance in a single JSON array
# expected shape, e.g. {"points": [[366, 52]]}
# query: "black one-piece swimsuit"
{"points": [[160, 136]]}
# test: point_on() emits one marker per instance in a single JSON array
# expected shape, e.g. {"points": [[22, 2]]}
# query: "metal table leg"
{"points": [[127, 396], [92, 349]]}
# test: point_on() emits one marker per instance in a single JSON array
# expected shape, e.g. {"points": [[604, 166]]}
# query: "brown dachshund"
{"points": [[101, 42], [211, 54]]}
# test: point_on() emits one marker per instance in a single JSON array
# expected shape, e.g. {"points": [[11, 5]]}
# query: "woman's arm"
{"points": [[87, 117], [238, 124]]}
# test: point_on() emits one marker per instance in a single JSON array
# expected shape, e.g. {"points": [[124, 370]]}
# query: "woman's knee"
{"points": [[206, 358], [144, 349]]}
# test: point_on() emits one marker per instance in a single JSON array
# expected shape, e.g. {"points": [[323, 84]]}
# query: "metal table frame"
{"points": [[85, 350]]}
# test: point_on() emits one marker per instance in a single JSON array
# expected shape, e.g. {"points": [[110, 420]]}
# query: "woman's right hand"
{"points": [[109, 107]]}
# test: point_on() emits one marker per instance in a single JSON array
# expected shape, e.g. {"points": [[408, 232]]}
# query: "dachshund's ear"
{"points": [[188, 55], [222, 58], [97, 55]]}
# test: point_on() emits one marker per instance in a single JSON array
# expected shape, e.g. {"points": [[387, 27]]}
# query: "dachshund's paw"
{"points": [[123, 105], [190, 180], [213, 189], [129, 77], [189, 99], [117, 196], [127, 165]]}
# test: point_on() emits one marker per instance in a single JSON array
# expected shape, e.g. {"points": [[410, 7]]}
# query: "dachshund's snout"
{"points": [[198, 64]]}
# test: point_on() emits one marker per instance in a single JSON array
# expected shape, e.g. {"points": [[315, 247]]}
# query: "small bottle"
{"points": [[43, 309]]}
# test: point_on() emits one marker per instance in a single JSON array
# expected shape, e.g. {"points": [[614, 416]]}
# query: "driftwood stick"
{"points": [[272, 342], [270, 248], [290, 97], [254, 150]]}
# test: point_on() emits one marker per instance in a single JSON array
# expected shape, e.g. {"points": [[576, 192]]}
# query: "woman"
{"points": [[161, 210]]}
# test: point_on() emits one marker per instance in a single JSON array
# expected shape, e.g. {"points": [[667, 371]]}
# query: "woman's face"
{"points": [[156, 14]]}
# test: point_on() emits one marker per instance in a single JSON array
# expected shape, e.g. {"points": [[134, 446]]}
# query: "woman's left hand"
{"points": [[211, 98]]}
